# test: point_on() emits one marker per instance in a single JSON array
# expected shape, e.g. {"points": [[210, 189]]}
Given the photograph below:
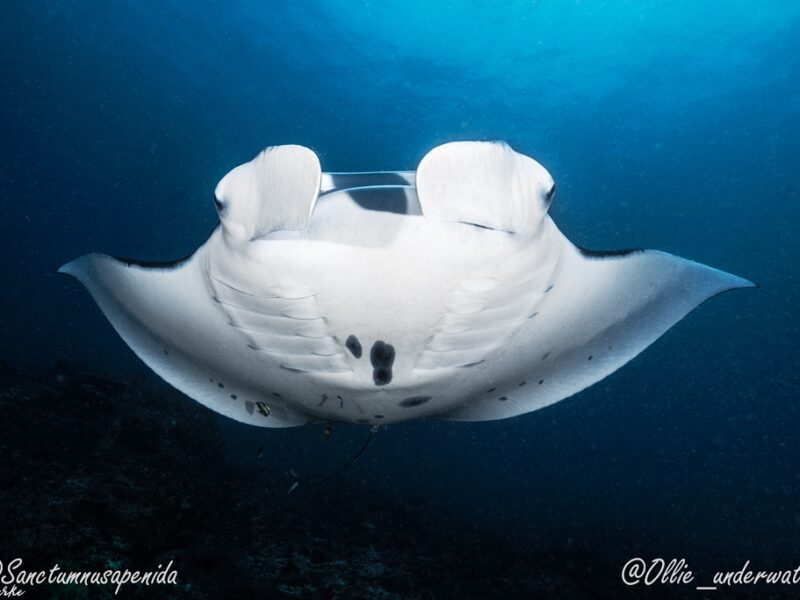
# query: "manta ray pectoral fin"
{"points": [[486, 184], [158, 311], [600, 311], [276, 191]]}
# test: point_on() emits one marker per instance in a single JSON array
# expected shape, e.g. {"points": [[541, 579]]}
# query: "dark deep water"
{"points": [[665, 125]]}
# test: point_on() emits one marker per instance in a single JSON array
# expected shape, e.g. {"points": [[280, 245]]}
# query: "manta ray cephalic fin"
{"points": [[276, 191], [486, 184]]}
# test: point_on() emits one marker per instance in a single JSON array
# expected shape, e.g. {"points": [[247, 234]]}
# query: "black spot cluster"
{"points": [[382, 358], [414, 401]]}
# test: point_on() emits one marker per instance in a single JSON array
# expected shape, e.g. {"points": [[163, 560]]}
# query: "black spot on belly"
{"points": [[378, 416], [354, 346], [414, 401], [503, 398], [233, 396], [220, 384], [382, 358]]}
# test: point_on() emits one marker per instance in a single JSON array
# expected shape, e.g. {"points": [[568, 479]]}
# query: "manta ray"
{"points": [[373, 298]]}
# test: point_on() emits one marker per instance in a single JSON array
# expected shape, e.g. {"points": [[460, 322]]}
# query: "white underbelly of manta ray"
{"points": [[381, 297]]}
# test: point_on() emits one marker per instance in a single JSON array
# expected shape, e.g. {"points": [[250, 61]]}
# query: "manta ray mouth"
{"points": [[395, 199], [375, 298]]}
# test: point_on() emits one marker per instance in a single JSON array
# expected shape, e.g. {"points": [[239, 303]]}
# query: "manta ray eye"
{"points": [[549, 197], [220, 205]]}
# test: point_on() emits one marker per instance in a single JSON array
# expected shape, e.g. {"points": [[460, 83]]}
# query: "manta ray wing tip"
{"points": [[78, 267], [734, 282], [69, 268]]}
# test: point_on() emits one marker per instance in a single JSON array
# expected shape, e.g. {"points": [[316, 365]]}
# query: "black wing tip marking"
{"points": [[165, 265], [608, 253], [153, 264]]}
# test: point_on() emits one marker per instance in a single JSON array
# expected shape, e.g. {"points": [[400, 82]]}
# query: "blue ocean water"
{"points": [[669, 125]]}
